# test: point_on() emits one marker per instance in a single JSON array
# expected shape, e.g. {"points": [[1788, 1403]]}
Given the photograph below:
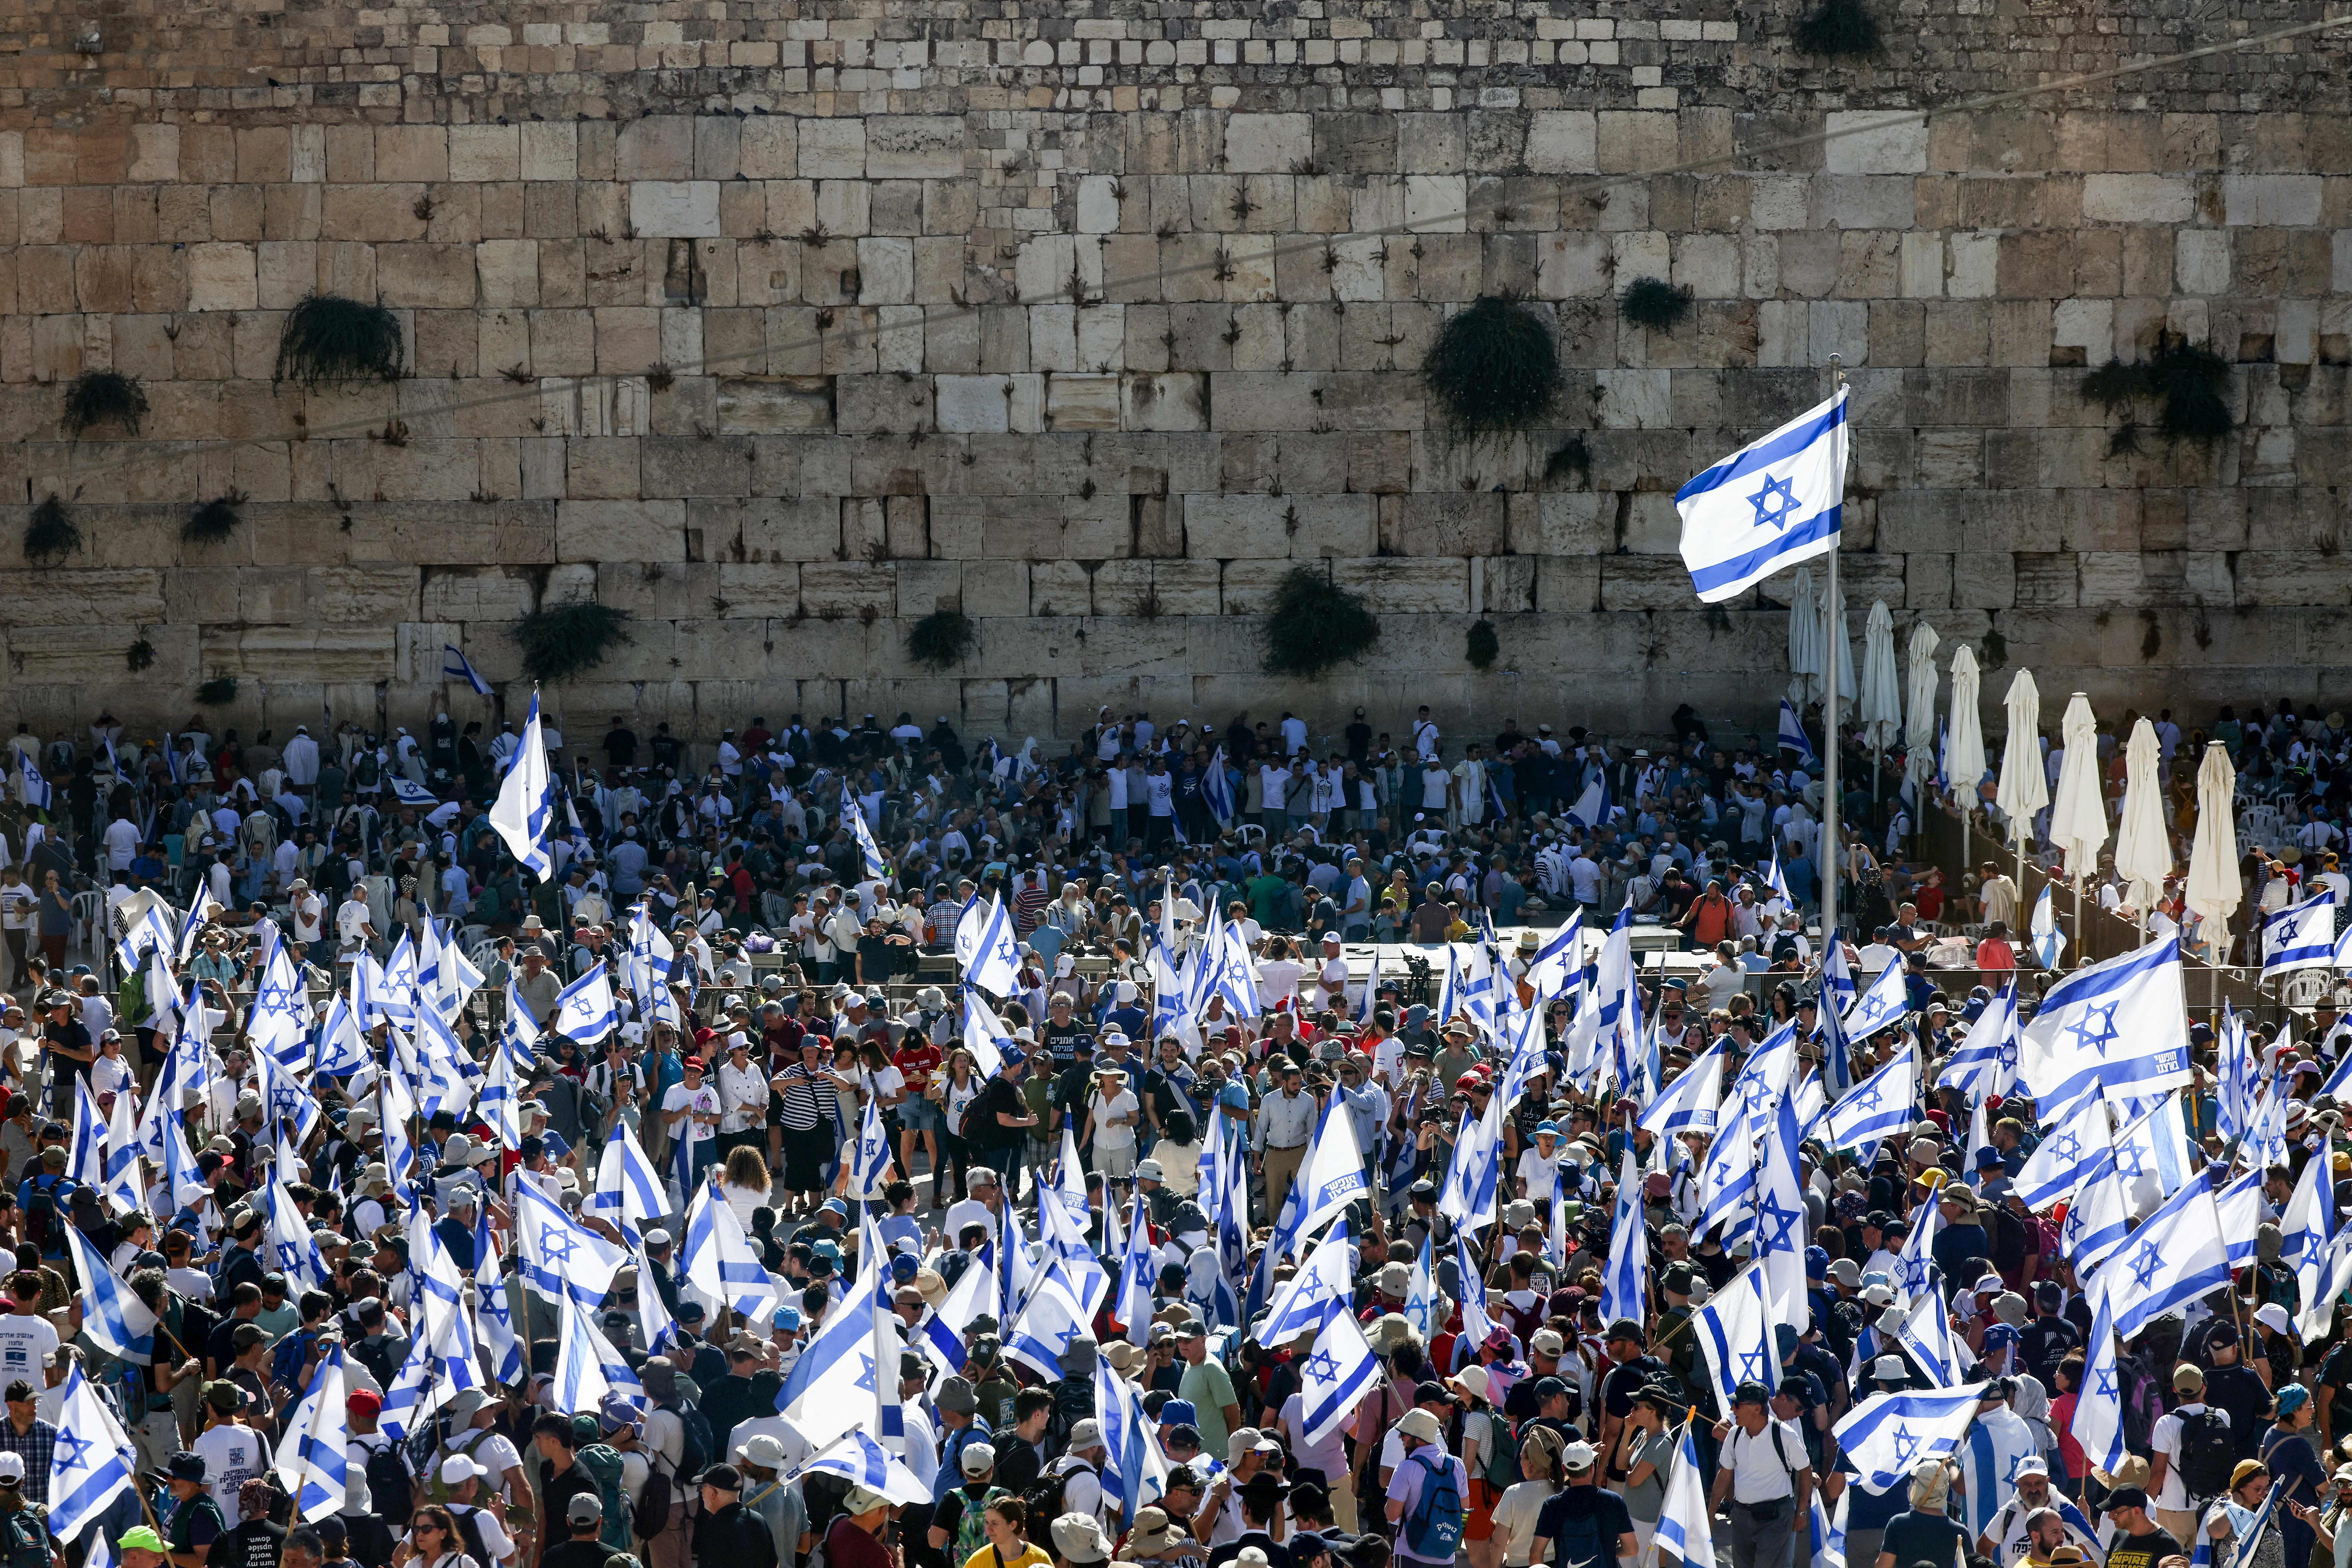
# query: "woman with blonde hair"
{"points": [[745, 1183]]}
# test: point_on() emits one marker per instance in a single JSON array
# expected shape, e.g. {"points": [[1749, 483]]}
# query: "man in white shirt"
{"points": [[1286, 1120], [1294, 734], [2174, 1508], [354, 927], [690, 1109], [121, 843]]}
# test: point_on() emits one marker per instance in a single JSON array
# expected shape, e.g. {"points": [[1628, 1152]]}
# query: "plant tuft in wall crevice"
{"points": [[139, 655], [328, 338], [2188, 382], [1494, 366], [217, 693], [104, 397], [942, 639], [560, 641], [1842, 29], [1655, 304], [1314, 623], [1485, 645], [214, 521], [51, 533]]}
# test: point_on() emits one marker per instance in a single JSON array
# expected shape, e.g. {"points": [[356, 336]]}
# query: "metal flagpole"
{"points": [[1833, 624]]}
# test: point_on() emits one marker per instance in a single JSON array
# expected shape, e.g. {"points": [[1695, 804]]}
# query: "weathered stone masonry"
{"points": [[685, 287]]}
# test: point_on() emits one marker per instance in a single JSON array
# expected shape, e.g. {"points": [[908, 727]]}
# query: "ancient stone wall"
{"points": [[781, 325]]}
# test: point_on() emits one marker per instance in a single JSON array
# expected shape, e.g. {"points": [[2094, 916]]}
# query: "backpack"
{"points": [[1074, 1401], [1581, 1543], [1044, 1497], [2207, 1455], [41, 1209], [2143, 1405], [1503, 1453], [603, 1463], [390, 1493], [971, 1526], [693, 1453], [23, 1540], [1432, 1531], [470, 1528], [653, 1501]]}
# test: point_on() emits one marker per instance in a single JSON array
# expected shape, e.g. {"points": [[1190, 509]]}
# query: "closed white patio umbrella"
{"points": [[2023, 790], [1805, 666], [1919, 712], [1966, 765], [1837, 643], [2078, 813], [2143, 844], [2214, 891]]}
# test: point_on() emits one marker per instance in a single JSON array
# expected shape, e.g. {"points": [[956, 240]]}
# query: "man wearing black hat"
{"points": [[1627, 1346], [2138, 1542], [1765, 1474], [1262, 1496], [727, 1532], [195, 1522]]}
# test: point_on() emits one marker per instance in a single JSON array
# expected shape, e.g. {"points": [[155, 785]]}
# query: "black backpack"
{"points": [[470, 1528], [1044, 1497], [390, 1493], [694, 1452], [2207, 1455], [41, 1209]]}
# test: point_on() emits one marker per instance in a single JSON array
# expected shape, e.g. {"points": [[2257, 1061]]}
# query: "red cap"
{"points": [[363, 1403], [694, 1064]]}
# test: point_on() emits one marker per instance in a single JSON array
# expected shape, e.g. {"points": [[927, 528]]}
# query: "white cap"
{"points": [[458, 1469]]}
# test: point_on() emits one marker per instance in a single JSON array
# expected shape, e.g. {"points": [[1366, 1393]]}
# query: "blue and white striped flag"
{"points": [[2177, 1255], [2233, 1077], [1794, 737], [85, 1156], [861, 1461], [1130, 1302], [2243, 1211], [1735, 1333], [125, 1189], [1888, 1435], [1985, 1062], [2120, 1026], [310, 1456], [985, 949], [580, 1382], [2300, 936], [1776, 881], [862, 833], [830, 1389], [869, 1155], [1624, 1282], [1686, 1523], [407, 791], [1881, 1007], [493, 1310], [718, 1265], [92, 1464], [1926, 1334], [560, 1256], [940, 1335], [1323, 1286], [1421, 1299], [1217, 789], [1688, 1104], [112, 1315], [1771, 504], [2099, 1218], [1335, 1378], [1135, 1470], [32, 788], [2049, 943], [1828, 1531], [586, 1010], [1593, 807], [2098, 1422], [1879, 1107], [520, 813], [455, 666], [629, 1191]]}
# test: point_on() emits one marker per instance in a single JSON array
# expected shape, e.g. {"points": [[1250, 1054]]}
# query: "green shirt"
{"points": [[1210, 1390]]}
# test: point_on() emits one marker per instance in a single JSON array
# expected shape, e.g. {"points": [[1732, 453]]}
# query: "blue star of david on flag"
{"points": [[2106, 1383], [2067, 1146], [1323, 1366], [2146, 1265], [1906, 1445], [1782, 1219], [2095, 1027], [1774, 502], [1867, 1098], [73, 1452]]}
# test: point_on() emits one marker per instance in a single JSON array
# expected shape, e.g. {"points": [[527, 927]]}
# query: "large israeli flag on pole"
{"points": [[1336, 1377], [2176, 1257], [985, 947], [90, 1464], [1685, 1524], [310, 1458], [1623, 1291], [1770, 505], [1794, 737], [1879, 1108], [2120, 1026], [455, 666], [519, 815]]}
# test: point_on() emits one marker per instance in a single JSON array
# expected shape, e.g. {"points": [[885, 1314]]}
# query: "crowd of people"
{"points": [[803, 991]]}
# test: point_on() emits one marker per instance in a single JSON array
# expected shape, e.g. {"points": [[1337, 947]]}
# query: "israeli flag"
{"points": [[1888, 1435], [1771, 504], [2151, 1157], [862, 832], [629, 1190], [91, 1466], [2098, 1423], [2176, 1256], [2233, 1077], [85, 1156], [1926, 1334], [1985, 1062], [1468, 1196], [294, 1251], [1622, 1283], [1324, 1286], [1915, 1266], [1688, 1103], [1735, 1333], [580, 1381], [2304, 1229], [520, 813], [2049, 943], [2120, 1026], [1776, 881], [1217, 789], [2099, 1218], [151, 932], [1884, 1004], [1554, 968], [32, 788], [1879, 1107], [1828, 1532], [1135, 1471], [122, 1185], [940, 1336], [869, 1155], [2065, 1159], [1421, 1299], [407, 791], [560, 1256], [1593, 807], [455, 666], [2300, 936], [311, 1466], [587, 1011], [1333, 1175], [518, 1038], [113, 1316], [718, 1265], [985, 950], [1686, 1523], [1792, 735], [861, 1461], [2243, 1213], [1335, 1378], [494, 1309]]}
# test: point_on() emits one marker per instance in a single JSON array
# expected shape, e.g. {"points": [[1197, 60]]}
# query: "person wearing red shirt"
{"points": [[918, 1060]]}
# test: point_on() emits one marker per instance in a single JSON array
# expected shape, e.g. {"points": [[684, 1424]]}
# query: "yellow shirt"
{"points": [[1031, 1557]]}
